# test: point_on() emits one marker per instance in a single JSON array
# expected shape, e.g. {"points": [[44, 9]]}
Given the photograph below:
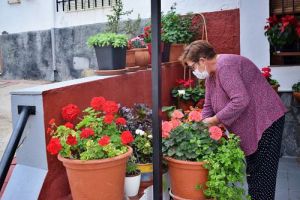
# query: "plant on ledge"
{"points": [[282, 32], [187, 91], [266, 72], [296, 91], [108, 39], [208, 162], [93, 146]]}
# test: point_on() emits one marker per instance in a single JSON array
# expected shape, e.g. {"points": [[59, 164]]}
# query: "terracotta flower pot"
{"points": [[146, 171], [275, 87], [92, 179], [176, 51], [297, 96], [130, 58], [185, 176], [141, 57]]}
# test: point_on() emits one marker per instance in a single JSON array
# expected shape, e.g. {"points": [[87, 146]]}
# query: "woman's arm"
{"points": [[232, 83], [207, 110]]}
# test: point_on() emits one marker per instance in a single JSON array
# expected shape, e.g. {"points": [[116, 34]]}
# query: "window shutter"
{"points": [[279, 7]]}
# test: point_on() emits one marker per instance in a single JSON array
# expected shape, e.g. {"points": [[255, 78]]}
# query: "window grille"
{"points": [[279, 7], [81, 5]]}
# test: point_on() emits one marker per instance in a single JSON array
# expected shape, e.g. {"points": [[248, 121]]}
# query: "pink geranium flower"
{"points": [[175, 123], [177, 114], [166, 128], [215, 133], [195, 116]]}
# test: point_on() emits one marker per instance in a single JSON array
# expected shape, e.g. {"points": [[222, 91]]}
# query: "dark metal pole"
{"points": [[14, 140], [156, 97]]}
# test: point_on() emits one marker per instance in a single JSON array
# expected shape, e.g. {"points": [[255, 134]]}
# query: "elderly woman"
{"points": [[240, 98]]}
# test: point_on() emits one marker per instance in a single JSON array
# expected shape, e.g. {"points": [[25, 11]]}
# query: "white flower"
{"points": [[150, 136], [139, 132], [181, 92]]}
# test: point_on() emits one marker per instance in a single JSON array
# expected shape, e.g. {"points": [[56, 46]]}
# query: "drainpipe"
{"points": [[54, 78]]}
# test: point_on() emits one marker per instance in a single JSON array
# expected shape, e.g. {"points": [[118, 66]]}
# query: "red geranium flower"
{"points": [[71, 140], [126, 137], [110, 107], [121, 121], [108, 119], [70, 112], [52, 121], [266, 74], [97, 103], [86, 132], [104, 141], [266, 69], [215, 133], [69, 125], [54, 146], [49, 131]]}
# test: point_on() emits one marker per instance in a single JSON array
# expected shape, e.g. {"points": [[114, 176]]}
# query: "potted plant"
{"points": [[93, 147], [110, 50], [132, 179], [266, 72], [138, 47], [139, 121], [188, 93], [203, 162], [296, 91], [177, 32], [282, 33]]}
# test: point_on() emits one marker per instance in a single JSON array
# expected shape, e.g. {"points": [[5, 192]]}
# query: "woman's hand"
{"points": [[211, 121]]}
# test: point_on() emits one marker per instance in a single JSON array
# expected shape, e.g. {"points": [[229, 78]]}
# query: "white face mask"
{"points": [[201, 75]]}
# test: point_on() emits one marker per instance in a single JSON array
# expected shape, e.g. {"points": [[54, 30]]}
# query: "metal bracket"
{"points": [[30, 108]]}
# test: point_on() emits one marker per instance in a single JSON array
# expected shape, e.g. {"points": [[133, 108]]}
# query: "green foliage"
{"points": [[191, 141], [131, 28], [113, 24], [226, 168], [296, 87], [108, 39], [184, 91], [131, 167], [142, 146], [176, 28]]}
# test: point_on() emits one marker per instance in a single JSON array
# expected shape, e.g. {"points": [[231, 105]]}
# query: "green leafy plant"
{"points": [[94, 133], [139, 121], [131, 167], [113, 24], [266, 72], [296, 87], [132, 27], [137, 42], [282, 31], [188, 90], [176, 28], [108, 39], [186, 137]]}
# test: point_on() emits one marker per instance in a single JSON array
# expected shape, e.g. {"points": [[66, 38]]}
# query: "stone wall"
{"points": [[28, 55], [291, 134]]}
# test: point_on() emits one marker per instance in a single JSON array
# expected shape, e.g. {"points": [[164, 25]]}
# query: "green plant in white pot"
{"points": [[110, 50], [132, 179]]}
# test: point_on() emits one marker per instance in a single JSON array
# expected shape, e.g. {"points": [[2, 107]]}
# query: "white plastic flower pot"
{"points": [[132, 185]]}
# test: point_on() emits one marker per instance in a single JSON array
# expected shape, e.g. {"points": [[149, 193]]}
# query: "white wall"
{"points": [[32, 15], [254, 44]]}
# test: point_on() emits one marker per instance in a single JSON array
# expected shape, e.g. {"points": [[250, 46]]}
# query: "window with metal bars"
{"points": [[281, 7], [81, 5]]}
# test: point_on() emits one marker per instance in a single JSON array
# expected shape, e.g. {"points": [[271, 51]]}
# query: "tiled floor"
{"points": [[288, 179]]}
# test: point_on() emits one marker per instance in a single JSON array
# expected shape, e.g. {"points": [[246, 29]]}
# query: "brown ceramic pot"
{"points": [[297, 96], [176, 51], [97, 179], [185, 176], [141, 56], [275, 87], [130, 58]]}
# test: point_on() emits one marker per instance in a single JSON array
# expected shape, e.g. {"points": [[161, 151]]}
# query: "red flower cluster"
{"points": [[71, 140], [126, 137], [69, 125], [104, 141], [289, 20], [54, 146], [108, 119], [97, 103], [121, 121], [86, 132], [110, 107], [70, 112], [266, 72], [185, 83]]}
